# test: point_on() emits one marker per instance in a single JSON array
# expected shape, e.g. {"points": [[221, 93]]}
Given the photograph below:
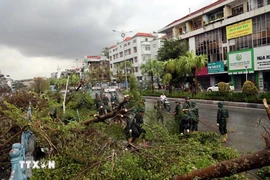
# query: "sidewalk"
{"points": [[227, 103]]}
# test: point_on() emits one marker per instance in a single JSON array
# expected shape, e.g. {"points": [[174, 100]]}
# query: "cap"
{"points": [[187, 98]]}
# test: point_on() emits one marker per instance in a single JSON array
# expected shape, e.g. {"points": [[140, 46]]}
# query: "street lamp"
{"points": [[246, 72], [123, 35]]}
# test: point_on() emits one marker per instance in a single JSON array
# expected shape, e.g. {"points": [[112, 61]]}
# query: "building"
{"points": [[136, 50], [235, 35], [97, 68]]}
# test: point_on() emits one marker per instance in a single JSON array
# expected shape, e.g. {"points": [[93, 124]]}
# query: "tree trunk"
{"points": [[118, 111], [227, 168]]}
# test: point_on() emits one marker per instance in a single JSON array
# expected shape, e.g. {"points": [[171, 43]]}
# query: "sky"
{"points": [[38, 36]]}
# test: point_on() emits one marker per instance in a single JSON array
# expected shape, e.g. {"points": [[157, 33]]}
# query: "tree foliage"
{"points": [[152, 68], [249, 88], [172, 49], [40, 85]]}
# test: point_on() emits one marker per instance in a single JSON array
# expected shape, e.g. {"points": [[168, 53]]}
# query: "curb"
{"points": [[229, 103]]}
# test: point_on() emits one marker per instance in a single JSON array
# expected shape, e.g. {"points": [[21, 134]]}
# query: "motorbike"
{"points": [[166, 105]]}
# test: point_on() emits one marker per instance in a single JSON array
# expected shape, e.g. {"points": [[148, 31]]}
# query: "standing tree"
{"points": [[152, 67], [40, 85], [190, 63], [172, 49]]}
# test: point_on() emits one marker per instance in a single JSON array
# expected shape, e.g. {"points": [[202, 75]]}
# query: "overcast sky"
{"points": [[37, 36]]}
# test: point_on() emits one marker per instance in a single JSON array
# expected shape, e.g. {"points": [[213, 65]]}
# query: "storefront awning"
{"points": [[202, 72]]}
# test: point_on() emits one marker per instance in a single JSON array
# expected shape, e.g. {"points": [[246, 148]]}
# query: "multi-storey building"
{"points": [[97, 68], [235, 35], [136, 50]]}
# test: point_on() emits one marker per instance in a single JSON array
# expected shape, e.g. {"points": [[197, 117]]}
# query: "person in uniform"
{"points": [[178, 113], [186, 122], [105, 100], [159, 107], [136, 129], [194, 114], [222, 115], [187, 104]]}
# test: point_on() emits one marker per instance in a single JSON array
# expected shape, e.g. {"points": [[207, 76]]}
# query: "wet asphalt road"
{"points": [[244, 134]]}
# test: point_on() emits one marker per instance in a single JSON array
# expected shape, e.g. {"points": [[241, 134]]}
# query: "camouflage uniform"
{"points": [[159, 108], [186, 104], [186, 123], [222, 115], [105, 100], [178, 113], [136, 129], [194, 114]]}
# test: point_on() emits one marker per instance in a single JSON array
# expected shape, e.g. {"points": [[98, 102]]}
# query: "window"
{"points": [[260, 3], [134, 49], [128, 43], [268, 1], [180, 30], [136, 69], [147, 48], [135, 59], [198, 24], [237, 10], [146, 39], [134, 41], [154, 45]]}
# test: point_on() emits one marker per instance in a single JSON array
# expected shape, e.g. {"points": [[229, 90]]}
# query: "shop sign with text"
{"points": [[239, 29], [240, 61], [215, 67], [262, 58]]}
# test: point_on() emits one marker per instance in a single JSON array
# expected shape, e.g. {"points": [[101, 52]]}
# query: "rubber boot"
{"points": [[226, 136], [224, 140]]}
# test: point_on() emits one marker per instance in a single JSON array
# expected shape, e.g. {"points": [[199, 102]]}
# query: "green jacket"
{"points": [[178, 111], [186, 105], [222, 115], [194, 113]]}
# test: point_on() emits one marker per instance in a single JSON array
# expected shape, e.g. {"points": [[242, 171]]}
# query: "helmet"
{"points": [[187, 98], [220, 104], [177, 101], [141, 110]]}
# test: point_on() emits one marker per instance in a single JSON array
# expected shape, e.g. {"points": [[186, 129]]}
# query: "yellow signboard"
{"points": [[239, 29]]}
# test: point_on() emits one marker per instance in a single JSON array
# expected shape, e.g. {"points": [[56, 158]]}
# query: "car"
{"points": [[110, 89], [214, 88]]}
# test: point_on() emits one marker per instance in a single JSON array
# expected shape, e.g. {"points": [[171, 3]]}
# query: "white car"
{"points": [[110, 89], [214, 88]]}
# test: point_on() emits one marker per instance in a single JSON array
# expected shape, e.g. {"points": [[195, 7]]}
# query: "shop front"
{"points": [[262, 66], [217, 72], [241, 67]]}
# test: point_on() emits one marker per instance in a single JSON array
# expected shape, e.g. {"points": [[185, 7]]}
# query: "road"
{"points": [[244, 135]]}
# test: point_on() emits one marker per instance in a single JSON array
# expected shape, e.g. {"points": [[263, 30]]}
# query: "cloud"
{"points": [[45, 33]]}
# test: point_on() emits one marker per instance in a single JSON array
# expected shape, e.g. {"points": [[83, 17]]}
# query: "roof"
{"points": [[93, 57], [198, 11], [143, 34]]}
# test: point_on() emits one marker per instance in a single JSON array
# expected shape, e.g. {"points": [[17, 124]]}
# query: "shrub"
{"points": [[224, 88], [249, 88]]}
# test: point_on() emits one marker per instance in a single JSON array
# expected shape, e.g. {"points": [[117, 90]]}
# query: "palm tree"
{"points": [[170, 71], [152, 67], [190, 63]]}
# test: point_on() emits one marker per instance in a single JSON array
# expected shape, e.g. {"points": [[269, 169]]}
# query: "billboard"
{"points": [[262, 58], [215, 67], [239, 29], [239, 61]]}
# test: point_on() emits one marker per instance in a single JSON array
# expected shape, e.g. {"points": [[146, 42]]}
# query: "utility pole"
{"points": [[123, 35]]}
